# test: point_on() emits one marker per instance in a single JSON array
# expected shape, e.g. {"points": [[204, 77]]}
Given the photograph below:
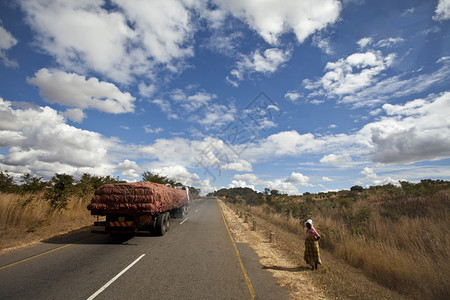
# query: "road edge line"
{"points": [[247, 278], [43, 253]]}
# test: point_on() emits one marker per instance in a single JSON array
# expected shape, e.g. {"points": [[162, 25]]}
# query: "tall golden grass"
{"points": [[406, 251], [26, 218]]}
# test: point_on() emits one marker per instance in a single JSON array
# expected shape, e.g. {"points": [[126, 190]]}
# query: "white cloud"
{"points": [[129, 39], [146, 90], [284, 143], [193, 102], [397, 86], [324, 178], [241, 184], [39, 142], [323, 43], [364, 42], [257, 62], [74, 114], [298, 179], [293, 96], [7, 41], [442, 11], [130, 169], [414, 131], [251, 178], [350, 75], [215, 116], [282, 186], [240, 166], [148, 129], [333, 159], [74, 90], [178, 173], [166, 108], [390, 42], [273, 18]]}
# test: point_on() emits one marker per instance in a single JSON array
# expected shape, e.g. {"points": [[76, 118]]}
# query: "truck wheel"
{"points": [[161, 225], [167, 221]]}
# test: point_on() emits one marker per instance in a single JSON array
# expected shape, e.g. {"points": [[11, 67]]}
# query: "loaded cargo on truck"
{"points": [[132, 207]]}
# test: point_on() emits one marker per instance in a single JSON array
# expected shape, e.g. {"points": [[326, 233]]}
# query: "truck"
{"points": [[131, 207]]}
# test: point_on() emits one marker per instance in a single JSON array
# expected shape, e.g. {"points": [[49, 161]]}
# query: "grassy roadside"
{"points": [[334, 280], [27, 219], [397, 236]]}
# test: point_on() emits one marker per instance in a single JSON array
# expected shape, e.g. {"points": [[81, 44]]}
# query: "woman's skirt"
{"points": [[312, 254]]}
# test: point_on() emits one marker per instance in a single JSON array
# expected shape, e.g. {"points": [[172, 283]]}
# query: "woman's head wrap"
{"points": [[309, 221]]}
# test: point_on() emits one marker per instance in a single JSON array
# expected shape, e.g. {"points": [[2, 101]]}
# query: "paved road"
{"points": [[196, 259]]}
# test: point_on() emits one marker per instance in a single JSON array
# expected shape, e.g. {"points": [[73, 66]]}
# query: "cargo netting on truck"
{"points": [[136, 198]]}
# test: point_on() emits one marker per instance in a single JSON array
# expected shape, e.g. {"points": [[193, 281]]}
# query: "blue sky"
{"points": [[294, 95]]}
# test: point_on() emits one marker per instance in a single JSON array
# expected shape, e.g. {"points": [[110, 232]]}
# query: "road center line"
{"points": [[44, 253], [183, 221], [115, 278]]}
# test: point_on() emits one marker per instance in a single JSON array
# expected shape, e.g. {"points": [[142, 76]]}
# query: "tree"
{"points": [[153, 177], [274, 193], [357, 188], [62, 188], [7, 183], [31, 184]]}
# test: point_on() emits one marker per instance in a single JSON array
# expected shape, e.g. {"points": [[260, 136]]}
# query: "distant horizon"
{"points": [[296, 95]]}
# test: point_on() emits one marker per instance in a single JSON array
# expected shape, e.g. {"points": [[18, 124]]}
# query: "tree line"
{"points": [[61, 187]]}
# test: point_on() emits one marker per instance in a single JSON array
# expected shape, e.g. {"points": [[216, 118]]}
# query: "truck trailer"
{"points": [[137, 206]]}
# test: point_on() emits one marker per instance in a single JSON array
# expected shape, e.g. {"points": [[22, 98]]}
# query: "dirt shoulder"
{"points": [[333, 280]]}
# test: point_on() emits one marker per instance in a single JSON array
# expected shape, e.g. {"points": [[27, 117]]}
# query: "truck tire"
{"points": [[167, 221], [161, 225]]}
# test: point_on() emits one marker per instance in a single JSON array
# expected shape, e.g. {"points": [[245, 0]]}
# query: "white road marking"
{"points": [[115, 278], [183, 221], [196, 211]]}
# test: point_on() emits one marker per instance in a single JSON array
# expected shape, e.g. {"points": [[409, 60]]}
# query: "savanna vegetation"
{"points": [[397, 235], [32, 209]]}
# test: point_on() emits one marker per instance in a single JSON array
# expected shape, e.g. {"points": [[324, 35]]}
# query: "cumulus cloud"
{"points": [[352, 74], [241, 166], [414, 131], [333, 159], [178, 173], [241, 184], [40, 142], [130, 169], [215, 116], [73, 90], [7, 41], [74, 114], [273, 18], [298, 179], [267, 62], [442, 11], [129, 39]]}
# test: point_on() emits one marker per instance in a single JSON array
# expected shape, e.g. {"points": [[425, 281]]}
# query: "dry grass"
{"points": [[28, 218], [406, 250], [334, 280]]}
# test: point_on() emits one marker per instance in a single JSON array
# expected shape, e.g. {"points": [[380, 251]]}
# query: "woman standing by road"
{"points": [[312, 255]]}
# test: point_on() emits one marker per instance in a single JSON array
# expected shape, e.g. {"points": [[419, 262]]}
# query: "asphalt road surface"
{"points": [[196, 259]]}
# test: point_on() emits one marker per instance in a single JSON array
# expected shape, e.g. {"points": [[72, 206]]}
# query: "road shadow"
{"points": [[86, 237], [294, 269]]}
